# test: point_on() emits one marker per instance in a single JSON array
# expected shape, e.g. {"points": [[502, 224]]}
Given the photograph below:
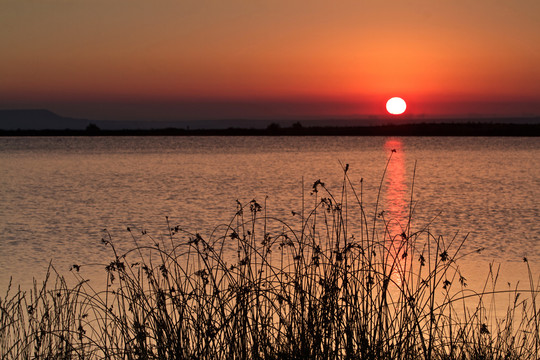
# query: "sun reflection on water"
{"points": [[396, 209]]}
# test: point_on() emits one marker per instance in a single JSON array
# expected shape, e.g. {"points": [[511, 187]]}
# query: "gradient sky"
{"points": [[135, 59]]}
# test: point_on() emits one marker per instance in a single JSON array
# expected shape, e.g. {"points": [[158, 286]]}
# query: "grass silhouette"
{"points": [[339, 283]]}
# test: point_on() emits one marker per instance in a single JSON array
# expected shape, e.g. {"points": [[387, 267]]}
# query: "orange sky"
{"points": [[135, 59]]}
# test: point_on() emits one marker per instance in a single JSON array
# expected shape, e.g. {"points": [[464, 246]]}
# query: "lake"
{"points": [[58, 194]]}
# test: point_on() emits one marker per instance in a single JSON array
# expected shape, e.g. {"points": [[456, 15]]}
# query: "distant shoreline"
{"points": [[419, 129]]}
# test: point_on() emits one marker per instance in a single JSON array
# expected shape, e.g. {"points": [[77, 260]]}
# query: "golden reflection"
{"points": [[396, 214]]}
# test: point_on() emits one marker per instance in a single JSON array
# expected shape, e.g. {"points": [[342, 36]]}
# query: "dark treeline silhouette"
{"points": [[275, 129]]}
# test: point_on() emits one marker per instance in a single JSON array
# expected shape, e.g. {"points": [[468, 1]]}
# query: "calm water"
{"points": [[57, 194]]}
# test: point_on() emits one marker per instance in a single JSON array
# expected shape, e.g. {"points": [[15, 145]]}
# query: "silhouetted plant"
{"points": [[337, 284]]}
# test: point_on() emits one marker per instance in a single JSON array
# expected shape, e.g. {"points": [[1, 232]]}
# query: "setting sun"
{"points": [[396, 106]]}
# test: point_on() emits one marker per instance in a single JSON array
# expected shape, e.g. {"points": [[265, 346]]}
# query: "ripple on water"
{"points": [[59, 193]]}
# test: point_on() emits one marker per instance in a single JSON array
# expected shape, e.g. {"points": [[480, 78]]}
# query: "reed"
{"points": [[336, 283]]}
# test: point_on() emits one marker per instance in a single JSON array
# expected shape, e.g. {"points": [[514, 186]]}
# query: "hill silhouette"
{"points": [[41, 122], [38, 119]]}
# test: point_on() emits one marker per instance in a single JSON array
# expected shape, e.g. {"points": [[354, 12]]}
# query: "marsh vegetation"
{"points": [[340, 282]]}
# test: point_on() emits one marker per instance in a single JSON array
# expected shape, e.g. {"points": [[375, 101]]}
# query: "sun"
{"points": [[396, 106]]}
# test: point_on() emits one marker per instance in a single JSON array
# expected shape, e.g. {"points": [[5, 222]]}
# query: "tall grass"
{"points": [[336, 283]]}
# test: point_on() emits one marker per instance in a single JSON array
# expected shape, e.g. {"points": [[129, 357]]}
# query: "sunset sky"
{"points": [[135, 59]]}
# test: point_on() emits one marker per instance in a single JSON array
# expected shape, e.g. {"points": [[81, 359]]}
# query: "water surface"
{"points": [[58, 194]]}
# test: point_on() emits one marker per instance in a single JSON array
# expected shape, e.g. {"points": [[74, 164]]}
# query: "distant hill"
{"points": [[38, 119], [41, 119]]}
